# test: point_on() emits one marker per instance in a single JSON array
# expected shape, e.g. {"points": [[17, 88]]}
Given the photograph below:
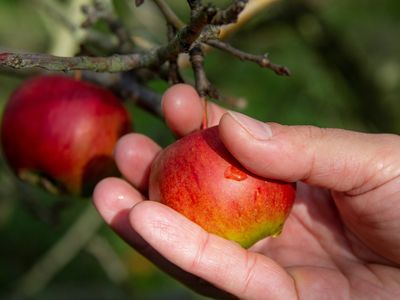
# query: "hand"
{"points": [[340, 241]]}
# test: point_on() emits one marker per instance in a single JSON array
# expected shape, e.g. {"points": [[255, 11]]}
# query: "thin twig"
{"points": [[261, 60], [169, 14], [252, 8], [61, 253], [131, 89], [55, 11], [98, 12], [174, 75], [194, 4], [116, 63], [108, 259], [129, 86], [203, 85], [230, 14]]}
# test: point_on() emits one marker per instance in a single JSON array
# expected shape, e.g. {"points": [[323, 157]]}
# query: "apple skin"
{"points": [[63, 131], [199, 178]]}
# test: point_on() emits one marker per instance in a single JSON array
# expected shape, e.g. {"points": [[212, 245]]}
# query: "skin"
{"points": [[341, 240]]}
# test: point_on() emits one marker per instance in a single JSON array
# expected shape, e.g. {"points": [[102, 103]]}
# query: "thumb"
{"points": [[341, 160]]}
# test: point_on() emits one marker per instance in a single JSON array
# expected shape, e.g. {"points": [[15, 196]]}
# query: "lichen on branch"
{"points": [[115, 63], [182, 42], [203, 28]]}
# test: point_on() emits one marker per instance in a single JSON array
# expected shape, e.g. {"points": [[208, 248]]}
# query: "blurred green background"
{"points": [[345, 62]]}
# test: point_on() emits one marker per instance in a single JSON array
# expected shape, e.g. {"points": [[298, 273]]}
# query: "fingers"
{"points": [[341, 160], [244, 274], [183, 109], [113, 199], [134, 154]]}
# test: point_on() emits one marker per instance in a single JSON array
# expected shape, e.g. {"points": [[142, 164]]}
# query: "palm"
{"points": [[323, 256], [317, 256]]}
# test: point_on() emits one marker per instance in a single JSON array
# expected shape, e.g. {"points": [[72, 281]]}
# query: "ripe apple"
{"points": [[199, 178], [60, 132]]}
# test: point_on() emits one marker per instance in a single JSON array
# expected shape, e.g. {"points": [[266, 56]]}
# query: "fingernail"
{"points": [[259, 130]]}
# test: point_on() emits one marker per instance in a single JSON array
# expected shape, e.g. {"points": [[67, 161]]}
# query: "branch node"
{"points": [[230, 14]]}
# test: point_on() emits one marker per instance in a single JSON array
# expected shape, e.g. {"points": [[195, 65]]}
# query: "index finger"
{"points": [[183, 109]]}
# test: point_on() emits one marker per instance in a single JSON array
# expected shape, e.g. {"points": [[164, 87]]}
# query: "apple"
{"points": [[199, 178], [60, 133]]}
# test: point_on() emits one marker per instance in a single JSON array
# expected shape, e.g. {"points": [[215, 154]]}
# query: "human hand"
{"points": [[340, 241]]}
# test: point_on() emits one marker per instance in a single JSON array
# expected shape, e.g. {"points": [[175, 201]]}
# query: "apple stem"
{"points": [[78, 75], [204, 124]]}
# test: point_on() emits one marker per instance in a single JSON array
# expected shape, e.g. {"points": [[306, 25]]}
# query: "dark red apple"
{"points": [[199, 178], [61, 132]]}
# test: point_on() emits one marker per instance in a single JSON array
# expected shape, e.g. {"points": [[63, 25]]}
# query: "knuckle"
{"points": [[314, 133], [251, 263], [198, 258]]}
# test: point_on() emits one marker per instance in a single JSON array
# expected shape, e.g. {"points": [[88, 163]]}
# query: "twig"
{"points": [[174, 75], [55, 11], [230, 14], [61, 253], [203, 85], [195, 4], [252, 8], [169, 14], [238, 103], [116, 63], [64, 32], [98, 12], [101, 249], [128, 86], [201, 81], [186, 39], [261, 60]]}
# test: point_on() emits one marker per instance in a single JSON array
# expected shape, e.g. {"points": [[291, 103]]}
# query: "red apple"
{"points": [[199, 178], [61, 132]]}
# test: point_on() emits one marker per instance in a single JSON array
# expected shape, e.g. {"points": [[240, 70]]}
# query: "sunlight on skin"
{"points": [[336, 244]]}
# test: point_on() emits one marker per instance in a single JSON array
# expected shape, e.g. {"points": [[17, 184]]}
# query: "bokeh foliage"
{"points": [[345, 63]]}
